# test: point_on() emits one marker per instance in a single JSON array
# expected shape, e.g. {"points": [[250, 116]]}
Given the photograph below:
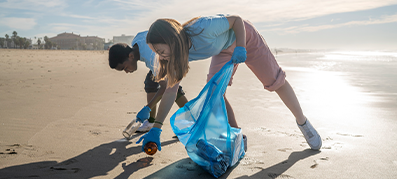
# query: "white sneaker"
{"points": [[311, 135], [145, 127]]}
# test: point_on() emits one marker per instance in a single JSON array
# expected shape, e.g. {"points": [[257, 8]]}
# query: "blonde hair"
{"points": [[173, 34]]}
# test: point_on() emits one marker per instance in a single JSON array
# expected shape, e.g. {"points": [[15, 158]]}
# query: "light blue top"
{"points": [[215, 36], [146, 54]]}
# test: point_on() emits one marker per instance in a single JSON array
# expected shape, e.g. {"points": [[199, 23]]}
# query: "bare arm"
{"points": [[156, 98], [166, 103], [236, 23]]}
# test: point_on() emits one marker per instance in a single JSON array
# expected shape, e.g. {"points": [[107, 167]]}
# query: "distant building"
{"points": [[34, 46], [70, 41], [123, 39], [107, 45], [10, 44]]}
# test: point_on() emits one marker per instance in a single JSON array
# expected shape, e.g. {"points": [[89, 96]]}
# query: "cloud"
{"points": [[18, 23], [138, 15], [37, 5], [78, 16], [257, 11], [307, 28], [253, 10], [112, 17]]}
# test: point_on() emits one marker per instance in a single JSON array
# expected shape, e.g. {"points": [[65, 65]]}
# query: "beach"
{"points": [[62, 113]]}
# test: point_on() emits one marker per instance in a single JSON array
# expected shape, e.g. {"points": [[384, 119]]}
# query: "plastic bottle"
{"points": [[219, 168], [150, 148], [209, 150], [131, 128], [218, 162]]}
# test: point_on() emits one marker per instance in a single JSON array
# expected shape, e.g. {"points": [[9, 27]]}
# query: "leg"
{"points": [[150, 97], [230, 114], [287, 95], [151, 88], [217, 62], [263, 64], [181, 99], [273, 79]]}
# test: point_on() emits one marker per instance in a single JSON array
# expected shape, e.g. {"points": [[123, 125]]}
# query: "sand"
{"points": [[62, 113]]}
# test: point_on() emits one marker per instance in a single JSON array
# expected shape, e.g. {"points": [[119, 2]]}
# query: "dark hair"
{"points": [[118, 54]]}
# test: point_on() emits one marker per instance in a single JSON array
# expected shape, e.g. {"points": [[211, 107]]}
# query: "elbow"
{"points": [[236, 17], [171, 91]]}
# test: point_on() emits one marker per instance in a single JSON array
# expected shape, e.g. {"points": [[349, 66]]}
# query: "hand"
{"points": [[239, 55], [152, 136], [143, 114]]}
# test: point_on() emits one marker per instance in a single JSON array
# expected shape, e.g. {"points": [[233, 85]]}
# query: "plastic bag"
{"points": [[202, 126]]}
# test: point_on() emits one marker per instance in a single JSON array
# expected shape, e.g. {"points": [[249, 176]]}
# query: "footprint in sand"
{"points": [[266, 131], [189, 166], [68, 162], [95, 132], [284, 150], [297, 134], [327, 138], [250, 161], [349, 135], [262, 129], [279, 176], [316, 162], [61, 165], [12, 149], [165, 161], [75, 170], [9, 151], [336, 146]]}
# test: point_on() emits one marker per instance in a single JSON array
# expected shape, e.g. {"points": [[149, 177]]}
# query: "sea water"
{"points": [[374, 72]]}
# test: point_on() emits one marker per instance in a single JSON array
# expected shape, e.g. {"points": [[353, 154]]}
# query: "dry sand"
{"points": [[62, 113]]}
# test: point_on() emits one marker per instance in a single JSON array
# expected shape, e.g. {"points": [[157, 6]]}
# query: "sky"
{"points": [[297, 24]]}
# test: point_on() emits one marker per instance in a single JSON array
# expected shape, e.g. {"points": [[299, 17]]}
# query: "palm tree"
{"points": [[7, 40], [38, 43], [21, 42], [16, 42], [27, 43], [48, 43], [2, 40], [14, 38]]}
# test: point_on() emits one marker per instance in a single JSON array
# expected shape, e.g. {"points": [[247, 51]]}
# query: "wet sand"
{"points": [[62, 113]]}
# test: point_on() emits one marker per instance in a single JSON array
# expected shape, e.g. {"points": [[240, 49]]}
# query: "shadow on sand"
{"points": [[94, 162], [277, 170], [186, 168]]}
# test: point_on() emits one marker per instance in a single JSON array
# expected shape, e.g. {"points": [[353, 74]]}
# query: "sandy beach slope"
{"points": [[62, 113]]}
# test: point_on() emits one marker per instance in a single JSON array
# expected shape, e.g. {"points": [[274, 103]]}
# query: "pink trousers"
{"points": [[259, 59]]}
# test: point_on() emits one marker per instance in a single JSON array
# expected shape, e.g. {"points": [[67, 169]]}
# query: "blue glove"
{"points": [[239, 55], [152, 136], [143, 114]]}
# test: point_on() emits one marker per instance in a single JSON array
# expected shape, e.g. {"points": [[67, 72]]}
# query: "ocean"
{"points": [[372, 73], [356, 89], [352, 97]]}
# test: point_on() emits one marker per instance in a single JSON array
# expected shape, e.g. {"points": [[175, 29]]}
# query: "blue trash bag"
{"points": [[202, 127]]}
